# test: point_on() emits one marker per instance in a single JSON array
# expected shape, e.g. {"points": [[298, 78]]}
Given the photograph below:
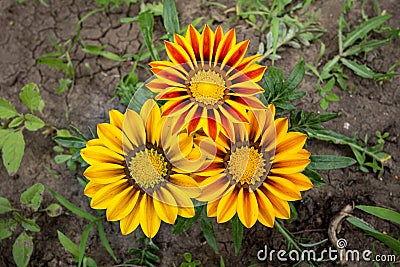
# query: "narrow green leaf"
{"points": [[7, 110], [104, 241], [387, 239], [54, 210], [330, 162], [5, 205], [33, 196], [70, 141], [33, 123], [70, 246], [13, 151], [382, 213], [22, 249], [363, 29], [146, 24], [275, 35], [314, 177], [31, 97], [208, 232], [360, 70], [237, 233], [171, 20], [295, 77], [27, 224], [74, 209], [99, 51], [329, 85], [63, 85], [16, 122], [82, 245]]}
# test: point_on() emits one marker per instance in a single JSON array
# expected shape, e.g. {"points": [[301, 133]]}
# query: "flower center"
{"points": [[148, 168], [207, 87], [246, 166]]}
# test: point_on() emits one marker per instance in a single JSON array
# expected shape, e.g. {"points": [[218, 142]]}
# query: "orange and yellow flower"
{"points": [[257, 172], [208, 82], [139, 171]]}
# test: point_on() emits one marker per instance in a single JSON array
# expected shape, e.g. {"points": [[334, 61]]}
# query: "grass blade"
{"points": [[105, 242], [74, 209], [82, 245], [70, 246], [208, 232], [237, 233], [382, 213]]}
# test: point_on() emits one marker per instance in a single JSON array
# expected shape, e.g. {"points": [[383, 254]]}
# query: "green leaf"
{"points": [[382, 213], [208, 232], [296, 76], [171, 20], [5, 205], [329, 85], [387, 239], [22, 249], [31, 97], [13, 151], [96, 50], [63, 85], [54, 210], [140, 97], [105, 242], [70, 246], [74, 209], [360, 70], [70, 141], [183, 224], [16, 122], [27, 224], [314, 177], [146, 24], [59, 159], [332, 97], [330, 162], [4, 133], [7, 110], [7, 227], [275, 35], [33, 196], [33, 123], [237, 233], [82, 245], [188, 257], [363, 29], [323, 103]]}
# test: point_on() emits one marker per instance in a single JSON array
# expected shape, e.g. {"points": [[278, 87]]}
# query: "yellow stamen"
{"points": [[246, 165], [148, 168], [207, 87]]}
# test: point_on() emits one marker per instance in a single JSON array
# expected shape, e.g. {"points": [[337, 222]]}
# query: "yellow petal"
{"points": [[111, 137], [116, 118], [165, 205], [247, 207], [131, 222], [288, 166], [227, 205], [187, 212], [151, 114], [104, 196], [300, 180], [180, 196], [122, 204], [100, 154], [92, 188], [212, 208], [105, 173], [134, 128], [293, 141], [266, 212], [282, 188], [94, 142], [149, 220], [281, 207], [187, 183]]}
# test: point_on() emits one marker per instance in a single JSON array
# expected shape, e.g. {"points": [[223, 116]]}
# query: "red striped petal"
{"points": [[225, 45], [206, 47]]}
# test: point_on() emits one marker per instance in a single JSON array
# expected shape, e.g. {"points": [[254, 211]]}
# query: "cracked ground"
{"points": [[25, 30]]}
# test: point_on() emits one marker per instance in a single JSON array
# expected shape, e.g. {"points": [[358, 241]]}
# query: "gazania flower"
{"points": [[138, 170], [208, 82], [257, 173]]}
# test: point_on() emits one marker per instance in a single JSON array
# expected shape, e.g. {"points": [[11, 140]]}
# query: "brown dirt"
{"points": [[370, 107]]}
